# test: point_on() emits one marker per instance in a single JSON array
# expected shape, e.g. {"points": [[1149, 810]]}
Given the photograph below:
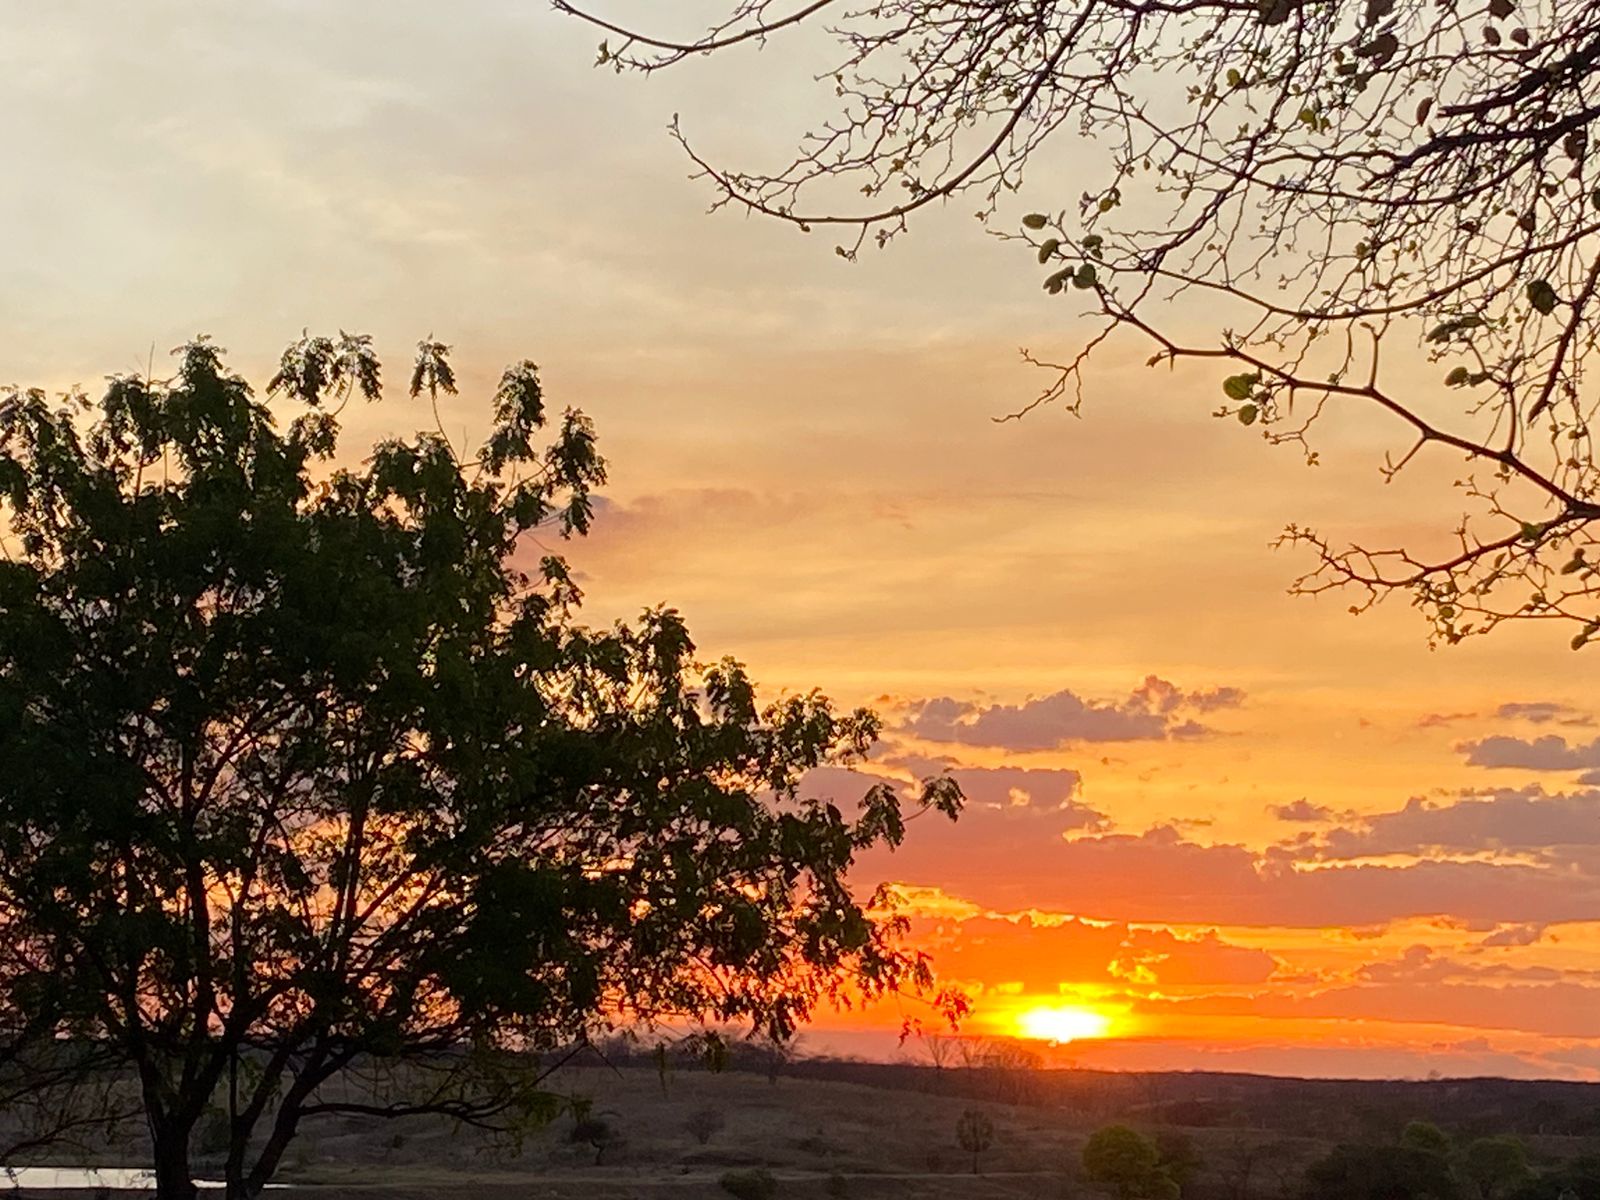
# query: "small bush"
{"points": [[596, 1132], [704, 1123], [754, 1184]]}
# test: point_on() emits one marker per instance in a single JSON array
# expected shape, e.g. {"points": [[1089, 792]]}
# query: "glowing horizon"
{"points": [[1063, 1024]]}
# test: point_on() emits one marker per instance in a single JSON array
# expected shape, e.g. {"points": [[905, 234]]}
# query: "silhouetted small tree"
{"points": [[595, 1132], [975, 1134], [940, 1050], [705, 1123]]}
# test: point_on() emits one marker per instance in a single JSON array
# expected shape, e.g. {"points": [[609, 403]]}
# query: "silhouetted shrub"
{"points": [[596, 1132], [1380, 1173], [705, 1123]]}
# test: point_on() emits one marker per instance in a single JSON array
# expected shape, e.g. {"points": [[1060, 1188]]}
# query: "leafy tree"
{"points": [[705, 1123], [974, 1134], [1494, 1166], [1382, 1172], [1129, 1163], [1370, 204], [1425, 1136], [310, 778]]}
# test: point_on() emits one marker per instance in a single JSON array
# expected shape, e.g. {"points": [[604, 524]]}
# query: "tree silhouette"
{"points": [[595, 1132], [1381, 204], [1493, 1166], [1129, 1163], [309, 777], [974, 1134], [705, 1123]]}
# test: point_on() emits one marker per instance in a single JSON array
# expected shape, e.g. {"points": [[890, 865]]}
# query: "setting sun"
{"points": [[1063, 1023]]}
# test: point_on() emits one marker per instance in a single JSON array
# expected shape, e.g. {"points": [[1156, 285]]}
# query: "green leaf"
{"points": [[1248, 413], [1542, 296], [1084, 278], [1239, 387], [1457, 377], [1035, 221], [1047, 248]]}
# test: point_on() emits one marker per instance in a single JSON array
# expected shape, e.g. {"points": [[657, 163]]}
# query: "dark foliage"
{"points": [[311, 777], [1383, 1172]]}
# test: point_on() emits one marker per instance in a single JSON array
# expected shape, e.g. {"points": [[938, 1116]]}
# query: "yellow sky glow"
{"points": [[1061, 1024]]}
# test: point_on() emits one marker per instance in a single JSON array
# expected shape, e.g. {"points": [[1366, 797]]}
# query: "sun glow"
{"points": [[1062, 1023]]}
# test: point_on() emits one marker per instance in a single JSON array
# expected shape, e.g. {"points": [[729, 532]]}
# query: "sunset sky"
{"points": [[1251, 831]]}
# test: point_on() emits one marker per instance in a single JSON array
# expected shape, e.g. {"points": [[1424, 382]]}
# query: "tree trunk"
{"points": [[173, 1179]]}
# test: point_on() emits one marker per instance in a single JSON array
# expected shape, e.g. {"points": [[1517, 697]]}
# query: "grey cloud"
{"points": [[1542, 712], [1548, 753], [1156, 710], [1551, 825], [1422, 964], [1302, 810], [1040, 788]]}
